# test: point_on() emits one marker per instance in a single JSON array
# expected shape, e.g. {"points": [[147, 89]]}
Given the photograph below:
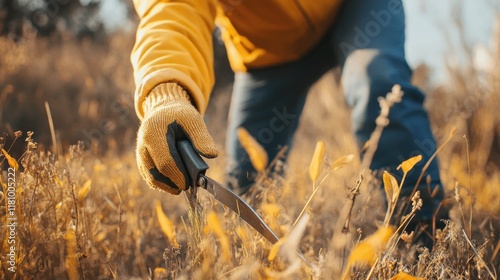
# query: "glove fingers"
{"points": [[160, 181], [202, 141], [169, 161], [152, 175]]}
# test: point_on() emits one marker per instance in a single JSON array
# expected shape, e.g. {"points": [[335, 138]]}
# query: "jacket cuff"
{"points": [[169, 75], [163, 94]]}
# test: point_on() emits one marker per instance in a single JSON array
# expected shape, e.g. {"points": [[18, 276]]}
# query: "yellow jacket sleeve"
{"points": [[174, 43]]}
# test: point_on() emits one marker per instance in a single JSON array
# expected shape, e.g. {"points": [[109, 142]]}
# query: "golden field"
{"points": [[83, 212]]}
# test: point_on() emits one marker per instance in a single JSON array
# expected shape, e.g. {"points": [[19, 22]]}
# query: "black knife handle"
{"points": [[195, 165]]}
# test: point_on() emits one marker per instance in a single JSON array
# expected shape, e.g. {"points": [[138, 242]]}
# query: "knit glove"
{"points": [[169, 117]]}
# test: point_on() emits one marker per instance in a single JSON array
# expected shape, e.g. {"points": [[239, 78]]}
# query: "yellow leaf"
{"points": [[215, 226], [317, 160], [242, 234], [99, 167], [12, 161], [408, 164], [257, 154], [388, 186], [84, 191], [160, 273], [339, 163], [100, 236], [271, 209], [366, 252], [275, 249], [271, 214], [405, 276], [71, 257], [391, 187], [166, 225], [58, 181]]}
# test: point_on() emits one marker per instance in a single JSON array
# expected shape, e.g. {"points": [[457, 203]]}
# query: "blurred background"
{"points": [[65, 74], [74, 55]]}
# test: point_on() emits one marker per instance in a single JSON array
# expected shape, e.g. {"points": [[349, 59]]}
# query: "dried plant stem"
{"points": [[493, 276], [459, 200], [305, 206], [382, 121], [372, 269], [355, 193], [392, 204], [467, 147], [426, 166], [495, 252], [338, 164], [10, 147], [400, 229], [280, 155], [51, 126], [416, 206], [13, 142], [2, 151]]}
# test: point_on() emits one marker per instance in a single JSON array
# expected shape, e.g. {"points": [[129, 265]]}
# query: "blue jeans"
{"points": [[367, 42]]}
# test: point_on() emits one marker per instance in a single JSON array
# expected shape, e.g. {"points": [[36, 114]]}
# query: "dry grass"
{"points": [[88, 87], [88, 215]]}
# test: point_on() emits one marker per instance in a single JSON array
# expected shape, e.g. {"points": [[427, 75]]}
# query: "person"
{"points": [[278, 49]]}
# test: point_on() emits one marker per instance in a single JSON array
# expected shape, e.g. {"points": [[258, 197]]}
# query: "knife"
{"points": [[197, 167]]}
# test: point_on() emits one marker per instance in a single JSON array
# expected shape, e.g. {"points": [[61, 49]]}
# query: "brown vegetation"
{"points": [[83, 211]]}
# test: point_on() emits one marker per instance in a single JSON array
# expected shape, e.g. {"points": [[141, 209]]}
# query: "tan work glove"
{"points": [[169, 116]]}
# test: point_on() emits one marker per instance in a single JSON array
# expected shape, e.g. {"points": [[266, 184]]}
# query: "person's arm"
{"points": [[174, 44], [173, 69]]}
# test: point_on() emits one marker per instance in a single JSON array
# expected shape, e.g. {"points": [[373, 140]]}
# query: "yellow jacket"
{"points": [[174, 39]]}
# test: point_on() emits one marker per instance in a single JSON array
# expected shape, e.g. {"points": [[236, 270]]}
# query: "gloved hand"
{"points": [[168, 117]]}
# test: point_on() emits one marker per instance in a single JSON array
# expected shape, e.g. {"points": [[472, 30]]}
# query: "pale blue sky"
{"points": [[429, 22]]}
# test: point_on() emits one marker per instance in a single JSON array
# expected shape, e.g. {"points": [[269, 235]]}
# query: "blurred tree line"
{"points": [[78, 18], [60, 52], [63, 52]]}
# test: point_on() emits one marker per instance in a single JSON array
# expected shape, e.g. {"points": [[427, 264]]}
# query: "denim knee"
{"points": [[367, 75], [370, 74]]}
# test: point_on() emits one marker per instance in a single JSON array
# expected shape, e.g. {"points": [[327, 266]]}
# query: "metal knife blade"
{"points": [[244, 211], [196, 167], [238, 205]]}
